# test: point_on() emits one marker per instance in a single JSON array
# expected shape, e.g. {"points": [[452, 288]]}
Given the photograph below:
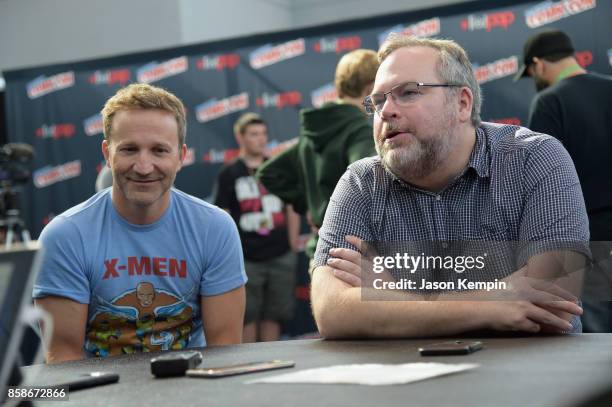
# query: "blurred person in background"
{"points": [[268, 231], [331, 137], [575, 106]]}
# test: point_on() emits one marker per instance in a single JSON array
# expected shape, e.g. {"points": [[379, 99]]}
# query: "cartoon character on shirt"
{"points": [[141, 319]]}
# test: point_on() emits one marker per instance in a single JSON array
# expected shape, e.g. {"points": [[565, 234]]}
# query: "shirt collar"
{"points": [[479, 159]]}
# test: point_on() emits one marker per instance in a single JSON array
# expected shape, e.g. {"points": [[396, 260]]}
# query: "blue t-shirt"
{"points": [[142, 282]]}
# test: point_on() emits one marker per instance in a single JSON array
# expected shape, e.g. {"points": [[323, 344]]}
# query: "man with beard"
{"points": [[442, 175], [575, 106]]}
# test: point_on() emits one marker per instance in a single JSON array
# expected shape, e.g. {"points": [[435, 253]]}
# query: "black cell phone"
{"points": [[244, 368], [91, 379], [450, 348], [175, 363]]}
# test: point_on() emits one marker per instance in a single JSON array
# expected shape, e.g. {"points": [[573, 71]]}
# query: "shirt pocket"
{"points": [[489, 224]]}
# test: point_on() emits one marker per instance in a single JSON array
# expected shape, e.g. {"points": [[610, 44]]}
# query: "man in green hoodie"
{"points": [[331, 137]]}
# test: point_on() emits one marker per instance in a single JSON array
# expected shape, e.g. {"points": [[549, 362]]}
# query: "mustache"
{"points": [[393, 128]]}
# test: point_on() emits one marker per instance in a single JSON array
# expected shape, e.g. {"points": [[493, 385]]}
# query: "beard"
{"points": [[425, 152]]}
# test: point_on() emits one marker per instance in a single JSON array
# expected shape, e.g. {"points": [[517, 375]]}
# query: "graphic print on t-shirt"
{"points": [[261, 211], [143, 319]]}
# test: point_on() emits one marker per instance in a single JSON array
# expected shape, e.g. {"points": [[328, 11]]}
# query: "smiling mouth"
{"points": [[143, 181]]}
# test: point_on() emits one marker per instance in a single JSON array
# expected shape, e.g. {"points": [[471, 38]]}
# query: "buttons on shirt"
{"points": [[438, 197]]}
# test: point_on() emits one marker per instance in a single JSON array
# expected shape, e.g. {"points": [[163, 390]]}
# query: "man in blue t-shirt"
{"points": [[141, 266]]}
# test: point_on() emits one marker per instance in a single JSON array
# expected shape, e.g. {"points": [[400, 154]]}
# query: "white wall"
{"points": [[205, 20], [314, 12], [42, 32]]}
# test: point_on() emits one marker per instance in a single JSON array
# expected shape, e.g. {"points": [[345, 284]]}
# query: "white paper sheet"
{"points": [[369, 374]]}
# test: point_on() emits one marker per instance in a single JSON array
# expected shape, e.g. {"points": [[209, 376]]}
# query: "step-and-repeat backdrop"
{"points": [[56, 109]]}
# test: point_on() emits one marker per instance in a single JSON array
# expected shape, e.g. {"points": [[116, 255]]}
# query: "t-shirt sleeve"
{"points": [[554, 215], [223, 262], [63, 270], [346, 214]]}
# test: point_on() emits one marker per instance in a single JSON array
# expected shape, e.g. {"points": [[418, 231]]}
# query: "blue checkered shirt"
{"points": [[518, 186]]}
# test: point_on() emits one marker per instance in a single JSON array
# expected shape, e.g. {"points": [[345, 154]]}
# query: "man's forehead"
{"points": [[135, 118], [149, 126], [256, 127], [417, 64]]}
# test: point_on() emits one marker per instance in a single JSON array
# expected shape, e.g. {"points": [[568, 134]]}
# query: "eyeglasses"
{"points": [[403, 94]]}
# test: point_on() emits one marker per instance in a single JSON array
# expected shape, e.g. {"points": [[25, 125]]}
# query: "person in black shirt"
{"points": [[575, 106], [263, 222]]}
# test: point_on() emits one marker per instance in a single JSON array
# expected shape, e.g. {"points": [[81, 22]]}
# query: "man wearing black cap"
{"points": [[575, 106]]}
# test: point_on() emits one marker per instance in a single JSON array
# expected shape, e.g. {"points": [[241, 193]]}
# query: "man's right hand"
{"points": [[528, 317]]}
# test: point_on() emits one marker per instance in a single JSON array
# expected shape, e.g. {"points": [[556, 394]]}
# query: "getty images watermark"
{"points": [[484, 270], [410, 264]]}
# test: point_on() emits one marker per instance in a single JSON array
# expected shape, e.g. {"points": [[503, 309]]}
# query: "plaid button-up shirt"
{"points": [[518, 186]]}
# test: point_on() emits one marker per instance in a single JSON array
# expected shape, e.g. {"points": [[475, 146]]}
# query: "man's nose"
{"points": [[144, 163], [389, 109]]}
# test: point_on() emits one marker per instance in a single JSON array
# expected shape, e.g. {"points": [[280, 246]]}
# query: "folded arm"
{"points": [[340, 312], [529, 305]]}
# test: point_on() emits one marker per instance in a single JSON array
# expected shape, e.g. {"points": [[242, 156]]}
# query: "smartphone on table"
{"points": [[244, 368], [450, 348]]}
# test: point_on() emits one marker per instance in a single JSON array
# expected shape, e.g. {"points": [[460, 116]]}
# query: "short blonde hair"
{"points": [[453, 66], [355, 71], [246, 120], [144, 96]]}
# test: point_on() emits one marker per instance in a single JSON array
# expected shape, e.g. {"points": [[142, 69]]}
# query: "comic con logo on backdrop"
{"points": [[44, 85], [487, 22], [548, 11], [496, 69], [55, 131], [93, 125], [337, 44], [324, 94], [268, 54], [220, 156], [155, 71], [584, 58], [425, 28], [218, 62], [48, 175], [213, 109], [279, 100], [110, 77]]}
